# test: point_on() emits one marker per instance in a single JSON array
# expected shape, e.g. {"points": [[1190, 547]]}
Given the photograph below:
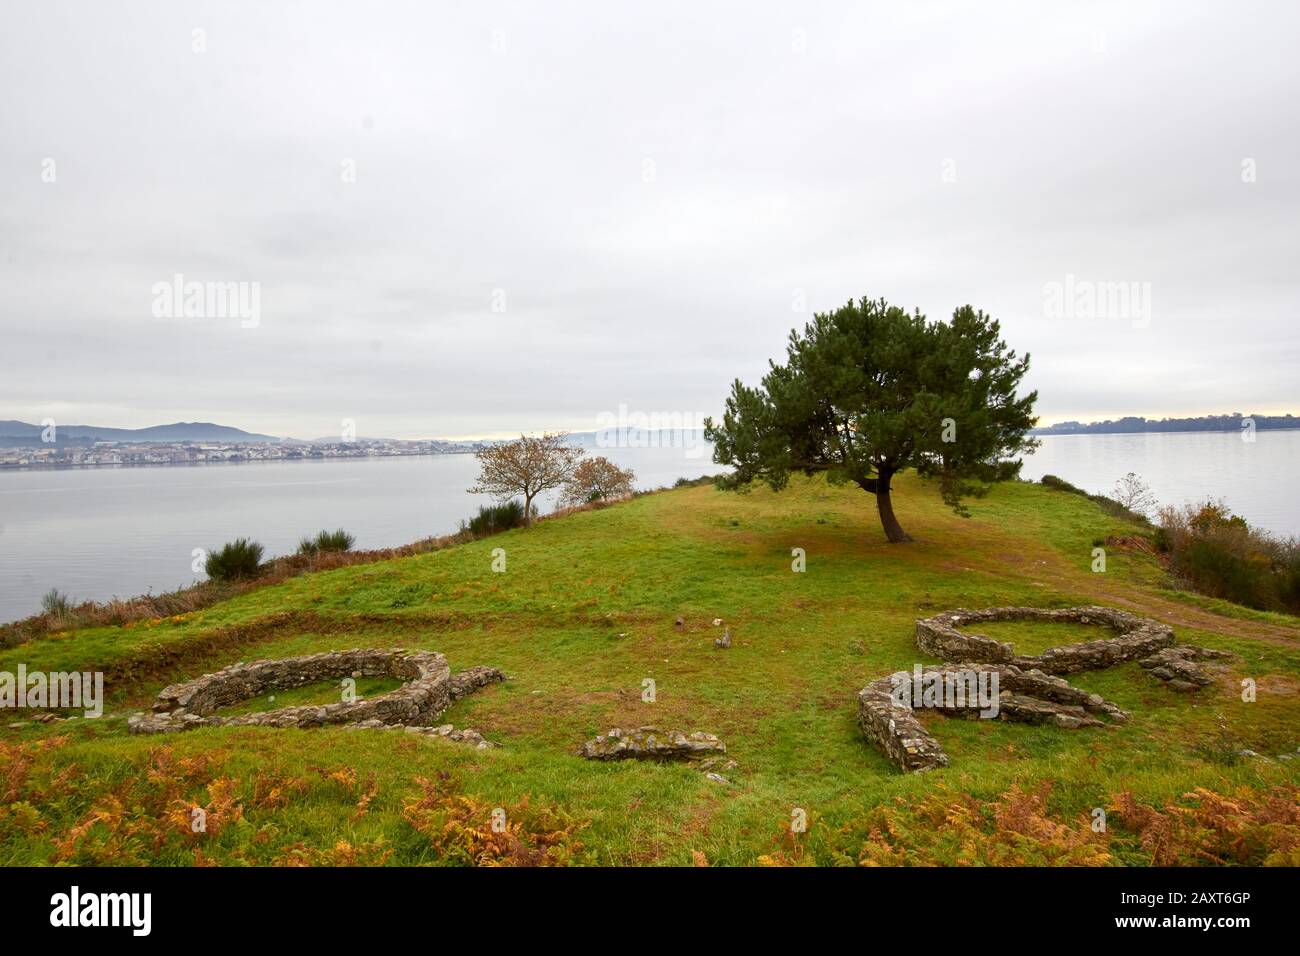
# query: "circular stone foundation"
{"points": [[1135, 638], [1028, 686], [426, 693]]}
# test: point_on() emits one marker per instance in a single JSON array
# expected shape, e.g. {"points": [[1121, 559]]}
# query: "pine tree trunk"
{"points": [[893, 530]]}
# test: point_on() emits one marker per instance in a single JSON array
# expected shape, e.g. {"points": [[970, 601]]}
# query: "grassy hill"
{"points": [[586, 610]]}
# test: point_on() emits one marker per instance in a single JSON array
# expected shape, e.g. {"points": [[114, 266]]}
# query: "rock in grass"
{"points": [[1180, 668], [651, 743], [716, 763]]}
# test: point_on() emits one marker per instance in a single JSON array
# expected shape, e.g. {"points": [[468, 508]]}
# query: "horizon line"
{"points": [[1042, 422]]}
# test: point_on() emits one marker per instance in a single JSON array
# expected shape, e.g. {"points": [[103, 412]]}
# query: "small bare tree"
{"points": [[1134, 494], [598, 479], [526, 468]]}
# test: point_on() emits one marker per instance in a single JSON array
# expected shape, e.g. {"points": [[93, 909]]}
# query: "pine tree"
{"points": [[868, 391]]}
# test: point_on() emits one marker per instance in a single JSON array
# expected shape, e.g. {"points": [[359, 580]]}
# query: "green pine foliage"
{"points": [[870, 390]]}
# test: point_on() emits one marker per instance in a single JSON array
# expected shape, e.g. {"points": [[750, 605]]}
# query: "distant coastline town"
{"points": [[51, 445], [110, 453]]}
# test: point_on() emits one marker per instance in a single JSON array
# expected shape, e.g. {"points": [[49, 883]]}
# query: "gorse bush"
{"points": [[338, 540], [492, 519], [1060, 484], [1219, 554], [56, 603], [239, 559]]}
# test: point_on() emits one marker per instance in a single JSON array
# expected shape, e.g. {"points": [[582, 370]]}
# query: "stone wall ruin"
{"points": [[428, 690], [1029, 690]]}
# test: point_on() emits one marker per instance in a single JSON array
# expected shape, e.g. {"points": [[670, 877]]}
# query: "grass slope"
{"points": [[585, 612]]}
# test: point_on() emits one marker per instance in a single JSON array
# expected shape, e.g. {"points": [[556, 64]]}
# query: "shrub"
{"points": [[1161, 540], [56, 603], [597, 479], [492, 519], [338, 540], [527, 467], [1117, 510], [1219, 554], [239, 559], [1134, 494], [1060, 484]]}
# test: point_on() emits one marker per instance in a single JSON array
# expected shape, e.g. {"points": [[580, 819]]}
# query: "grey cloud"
{"points": [[796, 150]]}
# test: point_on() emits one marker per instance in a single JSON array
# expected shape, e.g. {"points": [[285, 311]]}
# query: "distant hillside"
{"points": [[23, 433], [1136, 424]]}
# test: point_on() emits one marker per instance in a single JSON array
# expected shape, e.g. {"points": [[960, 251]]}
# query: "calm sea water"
{"points": [[100, 532], [1258, 480]]}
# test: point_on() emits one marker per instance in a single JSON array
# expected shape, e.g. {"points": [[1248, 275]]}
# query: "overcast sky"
{"points": [[475, 218]]}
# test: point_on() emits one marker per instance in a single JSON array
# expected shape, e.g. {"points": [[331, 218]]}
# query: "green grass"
{"points": [[1034, 637], [585, 611], [323, 692]]}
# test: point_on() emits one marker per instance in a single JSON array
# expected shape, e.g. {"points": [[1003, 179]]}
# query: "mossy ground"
{"points": [[584, 613]]}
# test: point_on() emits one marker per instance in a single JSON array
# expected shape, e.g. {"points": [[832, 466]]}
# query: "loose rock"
{"points": [[651, 743], [1180, 667]]}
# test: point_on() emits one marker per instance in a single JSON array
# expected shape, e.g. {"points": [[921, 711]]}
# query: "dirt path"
{"points": [[1042, 566]]}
